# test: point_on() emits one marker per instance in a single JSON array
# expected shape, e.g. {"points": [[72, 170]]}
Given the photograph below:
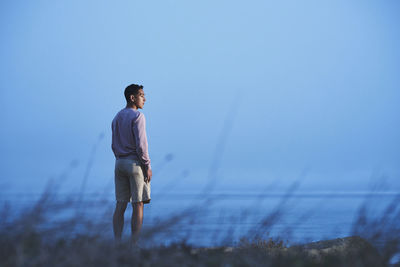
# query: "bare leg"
{"points": [[137, 220], [118, 219]]}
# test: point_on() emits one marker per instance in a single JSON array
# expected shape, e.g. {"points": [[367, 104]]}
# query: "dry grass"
{"points": [[42, 235]]}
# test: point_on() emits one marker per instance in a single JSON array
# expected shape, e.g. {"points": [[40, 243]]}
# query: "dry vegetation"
{"points": [[42, 235]]}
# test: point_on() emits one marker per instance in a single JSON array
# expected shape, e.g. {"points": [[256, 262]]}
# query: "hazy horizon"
{"points": [[254, 93]]}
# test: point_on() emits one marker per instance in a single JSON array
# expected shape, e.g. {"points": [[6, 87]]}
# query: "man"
{"points": [[132, 165]]}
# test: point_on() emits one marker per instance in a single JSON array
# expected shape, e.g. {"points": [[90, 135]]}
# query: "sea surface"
{"points": [[224, 218]]}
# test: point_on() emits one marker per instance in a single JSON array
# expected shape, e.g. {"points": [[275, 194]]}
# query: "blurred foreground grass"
{"points": [[51, 232]]}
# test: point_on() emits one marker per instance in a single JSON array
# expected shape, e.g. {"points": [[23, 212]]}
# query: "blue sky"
{"points": [[284, 87]]}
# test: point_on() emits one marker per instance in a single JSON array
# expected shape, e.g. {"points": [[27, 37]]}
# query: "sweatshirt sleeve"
{"points": [[139, 130]]}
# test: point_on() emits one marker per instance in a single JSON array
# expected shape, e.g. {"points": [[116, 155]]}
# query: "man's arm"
{"points": [[112, 137], [139, 130]]}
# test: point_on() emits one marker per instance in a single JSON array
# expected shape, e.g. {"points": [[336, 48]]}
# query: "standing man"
{"points": [[132, 165]]}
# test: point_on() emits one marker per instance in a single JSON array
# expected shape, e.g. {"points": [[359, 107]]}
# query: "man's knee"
{"points": [[121, 206], [137, 204]]}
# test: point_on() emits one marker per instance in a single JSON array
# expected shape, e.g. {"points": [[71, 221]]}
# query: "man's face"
{"points": [[140, 99]]}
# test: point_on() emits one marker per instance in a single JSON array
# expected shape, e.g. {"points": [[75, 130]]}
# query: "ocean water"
{"points": [[223, 218], [292, 217]]}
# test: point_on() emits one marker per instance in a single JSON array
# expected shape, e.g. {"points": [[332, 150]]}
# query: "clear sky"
{"points": [[255, 91]]}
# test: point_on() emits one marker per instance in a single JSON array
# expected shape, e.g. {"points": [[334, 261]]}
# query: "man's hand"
{"points": [[147, 176]]}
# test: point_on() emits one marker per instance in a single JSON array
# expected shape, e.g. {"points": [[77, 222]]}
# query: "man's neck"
{"points": [[131, 106]]}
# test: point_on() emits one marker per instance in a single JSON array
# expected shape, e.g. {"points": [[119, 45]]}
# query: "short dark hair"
{"points": [[132, 89]]}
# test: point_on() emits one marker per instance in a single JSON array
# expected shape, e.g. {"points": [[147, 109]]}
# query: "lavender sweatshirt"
{"points": [[129, 136]]}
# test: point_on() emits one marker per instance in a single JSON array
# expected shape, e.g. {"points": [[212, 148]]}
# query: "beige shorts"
{"points": [[129, 182]]}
